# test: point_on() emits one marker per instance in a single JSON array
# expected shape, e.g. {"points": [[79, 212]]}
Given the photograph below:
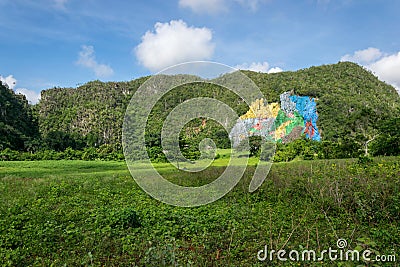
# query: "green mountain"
{"points": [[18, 126], [351, 102], [353, 106], [93, 111]]}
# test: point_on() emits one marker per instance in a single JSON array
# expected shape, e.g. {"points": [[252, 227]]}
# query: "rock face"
{"points": [[281, 122]]}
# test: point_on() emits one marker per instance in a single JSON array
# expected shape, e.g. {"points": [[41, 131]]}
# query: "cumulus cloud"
{"points": [[88, 60], [387, 69], [275, 70], [172, 43], [32, 96], [363, 56], [204, 6], [385, 66], [10, 81], [259, 67]]}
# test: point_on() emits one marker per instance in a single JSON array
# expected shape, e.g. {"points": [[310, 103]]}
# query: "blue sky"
{"points": [[47, 43]]}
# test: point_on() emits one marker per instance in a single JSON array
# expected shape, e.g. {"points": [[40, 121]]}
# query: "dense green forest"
{"points": [[358, 114], [18, 125]]}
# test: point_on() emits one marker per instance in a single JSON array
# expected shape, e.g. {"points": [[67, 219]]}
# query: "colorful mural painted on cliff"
{"points": [[281, 122]]}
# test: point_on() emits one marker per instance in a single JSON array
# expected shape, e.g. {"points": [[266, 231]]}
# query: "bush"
{"points": [[89, 154], [364, 160], [8, 154], [68, 154], [125, 218]]}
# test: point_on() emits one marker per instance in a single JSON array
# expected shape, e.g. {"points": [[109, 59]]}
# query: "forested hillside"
{"points": [[353, 106], [18, 126], [350, 102], [90, 115]]}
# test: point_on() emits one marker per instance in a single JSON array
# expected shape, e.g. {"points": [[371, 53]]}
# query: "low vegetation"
{"points": [[68, 199], [92, 213]]}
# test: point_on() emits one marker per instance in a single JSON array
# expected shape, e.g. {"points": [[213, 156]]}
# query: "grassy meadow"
{"points": [[92, 213]]}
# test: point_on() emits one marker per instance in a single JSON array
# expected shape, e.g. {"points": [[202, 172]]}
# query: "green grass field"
{"points": [[92, 213]]}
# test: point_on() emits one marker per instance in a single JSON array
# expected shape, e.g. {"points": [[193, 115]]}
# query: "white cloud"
{"points": [[385, 66], [204, 6], [275, 70], [363, 56], [258, 67], [387, 69], [172, 43], [87, 59], [255, 66], [32, 96], [10, 81]]}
